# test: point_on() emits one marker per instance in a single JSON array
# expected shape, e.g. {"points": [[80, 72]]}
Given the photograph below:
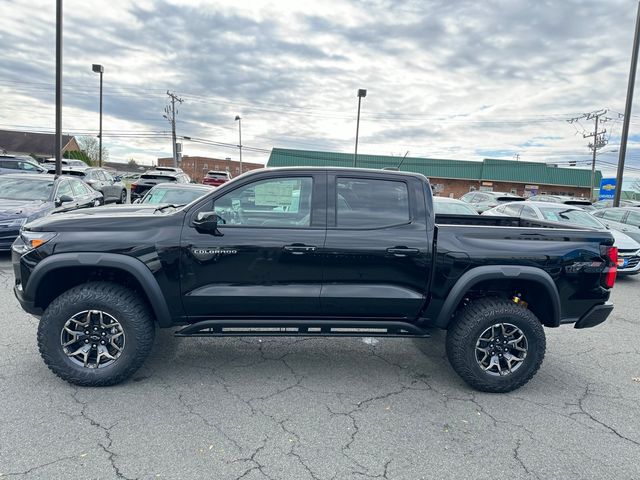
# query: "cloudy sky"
{"points": [[445, 78]]}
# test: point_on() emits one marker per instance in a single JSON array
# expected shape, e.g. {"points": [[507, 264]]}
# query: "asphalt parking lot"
{"points": [[324, 409]]}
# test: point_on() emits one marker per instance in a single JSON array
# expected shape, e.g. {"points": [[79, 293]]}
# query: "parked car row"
{"points": [[483, 201], [26, 197], [36, 192], [628, 246], [623, 222]]}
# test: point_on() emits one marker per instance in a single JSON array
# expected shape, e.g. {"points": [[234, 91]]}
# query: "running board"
{"points": [[301, 328]]}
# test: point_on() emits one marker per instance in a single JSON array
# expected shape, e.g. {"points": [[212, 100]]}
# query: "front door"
{"points": [[377, 253], [263, 260]]}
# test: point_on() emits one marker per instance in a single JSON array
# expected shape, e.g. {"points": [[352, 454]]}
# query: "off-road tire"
{"points": [[125, 305], [468, 325]]}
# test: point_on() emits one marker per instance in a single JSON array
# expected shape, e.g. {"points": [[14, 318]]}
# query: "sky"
{"points": [[449, 79]]}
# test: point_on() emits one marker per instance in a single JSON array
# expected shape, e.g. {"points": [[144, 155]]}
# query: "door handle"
{"points": [[403, 251], [299, 249]]}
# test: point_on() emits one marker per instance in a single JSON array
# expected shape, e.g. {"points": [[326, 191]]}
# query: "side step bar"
{"points": [[302, 328]]}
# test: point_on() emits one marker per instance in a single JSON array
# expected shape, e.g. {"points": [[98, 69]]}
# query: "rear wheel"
{"points": [[96, 334], [495, 345]]}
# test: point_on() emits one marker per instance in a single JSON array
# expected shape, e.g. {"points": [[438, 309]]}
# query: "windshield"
{"points": [[572, 216], [453, 208], [174, 196], [25, 189]]}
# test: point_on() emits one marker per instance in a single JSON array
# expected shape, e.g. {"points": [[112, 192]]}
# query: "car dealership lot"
{"points": [[324, 408]]}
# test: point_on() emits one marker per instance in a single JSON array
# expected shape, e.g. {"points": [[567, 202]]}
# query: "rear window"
{"points": [[158, 177], [452, 208], [370, 203], [217, 176], [73, 173], [510, 199], [571, 216]]}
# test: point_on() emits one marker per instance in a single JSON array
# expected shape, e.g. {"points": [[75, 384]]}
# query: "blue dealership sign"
{"points": [[607, 189]]}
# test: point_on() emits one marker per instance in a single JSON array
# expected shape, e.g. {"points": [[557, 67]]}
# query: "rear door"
{"points": [[377, 253], [111, 190], [264, 260]]}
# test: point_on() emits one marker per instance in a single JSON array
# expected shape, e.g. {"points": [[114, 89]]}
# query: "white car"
{"points": [[628, 248]]}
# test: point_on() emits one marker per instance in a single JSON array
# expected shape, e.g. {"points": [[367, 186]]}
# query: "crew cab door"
{"points": [[263, 258], [377, 253]]}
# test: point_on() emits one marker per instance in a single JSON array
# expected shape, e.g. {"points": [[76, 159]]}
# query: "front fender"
{"points": [[131, 265]]}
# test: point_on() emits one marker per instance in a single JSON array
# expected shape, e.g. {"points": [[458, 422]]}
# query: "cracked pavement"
{"points": [[297, 408]]}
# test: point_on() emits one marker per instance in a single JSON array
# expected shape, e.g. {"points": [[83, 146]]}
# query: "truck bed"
{"points": [[495, 221]]}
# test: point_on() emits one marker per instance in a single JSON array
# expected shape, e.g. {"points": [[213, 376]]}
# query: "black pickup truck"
{"points": [[308, 252]]}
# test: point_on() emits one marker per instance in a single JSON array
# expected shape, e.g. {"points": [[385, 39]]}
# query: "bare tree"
{"points": [[91, 146]]}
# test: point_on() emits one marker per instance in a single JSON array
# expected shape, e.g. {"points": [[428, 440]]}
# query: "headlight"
{"points": [[30, 240], [14, 222]]}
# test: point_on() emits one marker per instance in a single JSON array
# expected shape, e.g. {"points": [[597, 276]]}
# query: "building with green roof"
{"points": [[457, 177]]}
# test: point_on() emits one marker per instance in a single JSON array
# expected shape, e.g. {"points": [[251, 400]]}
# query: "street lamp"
{"points": [[239, 120], [99, 69], [361, 94]]}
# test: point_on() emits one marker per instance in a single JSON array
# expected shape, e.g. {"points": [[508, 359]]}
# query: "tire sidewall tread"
{"points": [[125, 305], [466, 328]]}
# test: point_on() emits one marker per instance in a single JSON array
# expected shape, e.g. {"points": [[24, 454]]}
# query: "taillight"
{"points": [[611, 269], [133, 187]]}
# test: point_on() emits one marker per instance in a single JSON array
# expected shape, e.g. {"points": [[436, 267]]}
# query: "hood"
{"points": [[23, 208], [97, 217], [624, 241]]}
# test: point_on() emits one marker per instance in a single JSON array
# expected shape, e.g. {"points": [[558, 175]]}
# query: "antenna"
{"points": [[402, 161]]}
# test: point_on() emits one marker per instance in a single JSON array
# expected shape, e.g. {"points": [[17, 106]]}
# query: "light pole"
{"points": [[361, 94], [239, 120], [99, 69], [58, 140]]}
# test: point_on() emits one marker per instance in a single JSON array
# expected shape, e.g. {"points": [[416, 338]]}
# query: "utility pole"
{"points": [[170, 114], [627, 112], [599, 139]]}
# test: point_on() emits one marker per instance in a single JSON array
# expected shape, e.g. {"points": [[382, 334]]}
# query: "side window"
{"points": [[78, 189], [480, 197], [107, 176], [513, 210], [633, 219], [613, 215], [65, 189], [468, 197], [528, 212], [27, 167], [100, 175], [369, 203], [278, 202]]}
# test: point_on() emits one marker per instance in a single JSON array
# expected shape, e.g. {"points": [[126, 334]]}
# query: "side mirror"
{"points": [[117, 178], [207, 222], [63, 199]]}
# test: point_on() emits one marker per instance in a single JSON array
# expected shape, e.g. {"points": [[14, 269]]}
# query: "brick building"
{"points": [[197, 167], [454, 178]]}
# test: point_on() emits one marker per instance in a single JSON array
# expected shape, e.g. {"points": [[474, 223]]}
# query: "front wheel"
{"points": [[495, 345], [96, 334], [123, 197]]}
